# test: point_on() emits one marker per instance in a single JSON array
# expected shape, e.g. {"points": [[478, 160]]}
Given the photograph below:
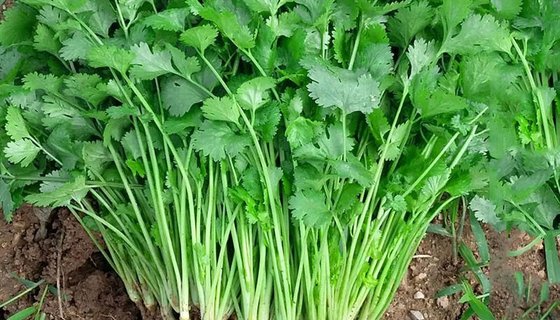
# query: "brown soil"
{"points": [[433, 269], [59, 252]]}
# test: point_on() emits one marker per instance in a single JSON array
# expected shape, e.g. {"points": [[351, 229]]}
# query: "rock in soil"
{"points": [[443, 302], [416, 315]]}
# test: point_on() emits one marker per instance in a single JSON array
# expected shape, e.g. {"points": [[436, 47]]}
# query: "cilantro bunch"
{"points": [[263, 158]]}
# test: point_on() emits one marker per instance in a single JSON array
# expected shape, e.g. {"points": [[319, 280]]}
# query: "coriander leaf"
{"points": [[102, 17], [221, 109], [309, 207], [63, 195], [453, 12], [85, 86], [21, 151], [262, 5], [111, 57], [131, 144], [377, 58], [301, 131], [200, 37], [123, 111], [479, 33], [178, 95], [76, 47], [186, 66], [253, 94], [227, 23], [48, 82], [395, 142], [149, 65], [352, 169], [267, 120], [6, 202], [332, 144], [441, 102], [45, 40], [15, 125], [17, 26], [168, 20], [96, 157], [421, 54], [397, 203], [485, 211], [217, 140], [408, 21], [334, 87], [507, 9]]}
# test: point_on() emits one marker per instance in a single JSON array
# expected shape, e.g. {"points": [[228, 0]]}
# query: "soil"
{"points": [[433, 269], [57, 250]]}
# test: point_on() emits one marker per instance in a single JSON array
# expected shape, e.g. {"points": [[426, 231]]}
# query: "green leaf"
{"points": [[85, 86], [122, 112], [76, 47], [332, 144], [552, 259], [377, 58], [168, 20], [394, 147], [178, 95], [227, 23], [6, 202], [47, 82], [45, 40], [507, 9], [186, 66], [479, 33], [484, 210], [352, 169], [21, 151], [63, 195], [15, 125], [262, 5], [17, 26], [23, 314], [253, 94], [334, 87], [409, 21], [131, 144], [136, 167], [110, 57], [441, 102], [309, 207], [102, 17], [200, 37], [453, 12], [221, 109], [149, 65], [302, 131], [217, 140], [421, 54]]}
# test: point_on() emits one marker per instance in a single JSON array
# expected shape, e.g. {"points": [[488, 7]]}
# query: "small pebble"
{"points": [[443, 302], [421, 276], [419, 295], [416, 315]]}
